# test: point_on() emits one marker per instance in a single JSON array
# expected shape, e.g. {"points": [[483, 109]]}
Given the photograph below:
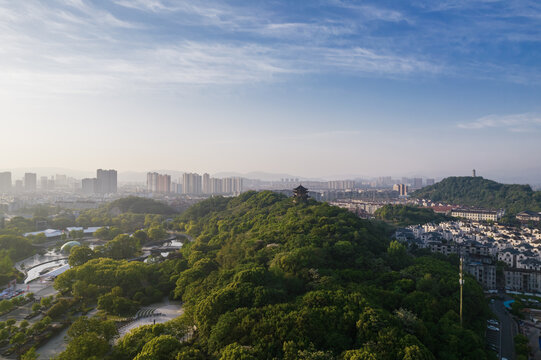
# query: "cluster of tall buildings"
{"points": [[193, 184], [158, 183], [27, 184], [341, 184], [105, 182], [5, 182], [417, 183], [401, 188]]}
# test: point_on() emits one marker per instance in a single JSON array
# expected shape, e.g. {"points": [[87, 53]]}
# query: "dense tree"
{"points": [[107, 233], [127, 214], [141, 236], [80, 255], [89, 339], [59, 308], [157, 233], [12, 248], [83, 324], [139, 282], [163, 347], [476, 191], [269, 278], [403, 215], [88, 346], [30, 354], [114, 303], [121, 247], [266, 278]]}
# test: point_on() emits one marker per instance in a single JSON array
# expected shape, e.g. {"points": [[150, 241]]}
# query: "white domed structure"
{"points": [[66, 248]]}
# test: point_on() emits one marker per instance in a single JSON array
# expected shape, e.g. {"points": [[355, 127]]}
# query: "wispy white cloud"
{"points": [[371, 12], [77, 48], [363, 60], [145, 5], [312, 32], [514, 122], [78, 39]]}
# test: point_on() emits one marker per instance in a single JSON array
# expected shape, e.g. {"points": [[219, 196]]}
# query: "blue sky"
{"points": [[314, 88]]}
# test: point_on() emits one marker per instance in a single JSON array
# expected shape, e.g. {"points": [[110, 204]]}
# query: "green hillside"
{"points": [[127, 214], [266, 278], [403, 215], [139, 205], [476, 191]]}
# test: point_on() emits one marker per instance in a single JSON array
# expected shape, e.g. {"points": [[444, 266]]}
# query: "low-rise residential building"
{"points": [[485, 274], [522, 280], [482, 245], [529, 216], [478, 214]]}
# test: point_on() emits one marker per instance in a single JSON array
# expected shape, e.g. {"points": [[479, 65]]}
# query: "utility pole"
{"points": [[461, 282]]}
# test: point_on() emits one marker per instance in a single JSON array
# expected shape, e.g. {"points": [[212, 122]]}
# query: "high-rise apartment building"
{"points": [[417, 183], [194, 184], [430, 182], [19, 186], [106, 181], [61, 180], [384, 181], [206, 184], [341, 184], [5, 182], [160, 183], [89, 186], [44, 183], [407, 181], [152, 182], [164, 183], [51, 183], [176, 188], [215, 186], [401, 188], [30, 182], [191, 183]]}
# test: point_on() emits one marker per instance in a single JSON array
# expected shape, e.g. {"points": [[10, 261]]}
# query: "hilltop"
{"points": [[480, 192], [268, 278]]}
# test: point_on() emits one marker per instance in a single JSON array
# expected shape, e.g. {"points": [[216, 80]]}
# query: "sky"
{"points": [[312, 88]]}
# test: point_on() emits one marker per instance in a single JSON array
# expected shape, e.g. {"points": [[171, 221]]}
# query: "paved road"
{"points": [[508, 329]]}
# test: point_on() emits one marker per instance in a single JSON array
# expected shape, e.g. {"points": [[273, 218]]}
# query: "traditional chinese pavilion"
{"points": [[300, 193]]}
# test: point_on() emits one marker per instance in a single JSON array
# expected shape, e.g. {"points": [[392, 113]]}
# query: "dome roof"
{"points": [[67, 246]]}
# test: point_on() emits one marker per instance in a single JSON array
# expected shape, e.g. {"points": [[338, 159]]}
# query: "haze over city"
{"points": [[314, 89], [317, 179]]}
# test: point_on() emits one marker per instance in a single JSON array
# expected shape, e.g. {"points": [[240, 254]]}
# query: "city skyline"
{"points": [[257, 86], [176, 175]]}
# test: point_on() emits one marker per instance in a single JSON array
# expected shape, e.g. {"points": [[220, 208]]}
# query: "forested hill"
{"points": [[403, 215], [139, 205], [266, 278], [476, 191]]}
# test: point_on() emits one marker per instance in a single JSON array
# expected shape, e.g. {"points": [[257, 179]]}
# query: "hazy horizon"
{"points": [[140, 176], [427, 88]]}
